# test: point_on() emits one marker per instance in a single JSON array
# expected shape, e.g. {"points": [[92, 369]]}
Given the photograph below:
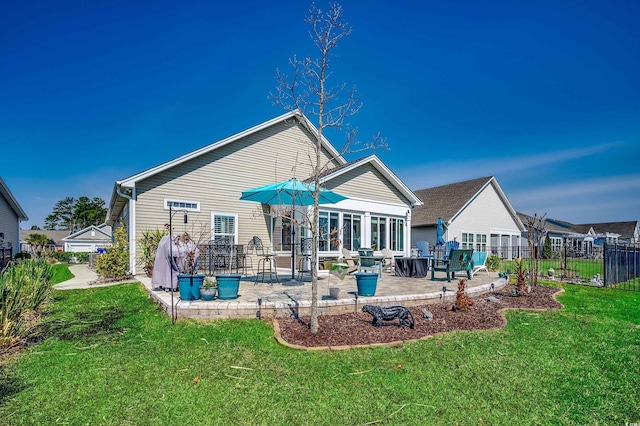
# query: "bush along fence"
{"points": [[611, 265], [622, 266]]}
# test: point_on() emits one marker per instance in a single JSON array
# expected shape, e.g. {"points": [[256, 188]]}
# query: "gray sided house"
{"points": [[587, 239], [476, 213], [89, 239], [55, 243], [207, 183], [11, 214]]}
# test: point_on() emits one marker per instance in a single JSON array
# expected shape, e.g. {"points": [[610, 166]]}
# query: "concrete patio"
{"points": [[267, 300]]}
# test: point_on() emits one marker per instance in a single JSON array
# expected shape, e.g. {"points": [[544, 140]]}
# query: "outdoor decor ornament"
{"points": [[388, 314]]}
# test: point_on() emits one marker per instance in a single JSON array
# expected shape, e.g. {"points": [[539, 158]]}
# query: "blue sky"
{"points": [[544, 95]]}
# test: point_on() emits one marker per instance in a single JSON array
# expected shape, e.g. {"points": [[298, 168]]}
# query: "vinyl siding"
{"points": [[485, 213], [367, 183], [9, 225], [216, 180]]}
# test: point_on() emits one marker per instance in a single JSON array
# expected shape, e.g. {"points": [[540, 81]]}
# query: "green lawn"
{"points": [[111, 357], [61, 273], [584, 269]]}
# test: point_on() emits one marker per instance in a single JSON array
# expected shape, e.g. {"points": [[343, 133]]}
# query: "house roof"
{"points": [[625, 230], [122, 188], [448, 201], [375, 162], [99, 228], [55, 236], [15, 206]]}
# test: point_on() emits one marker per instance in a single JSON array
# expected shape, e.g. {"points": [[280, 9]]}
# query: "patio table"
{"points": [[412, 266]]}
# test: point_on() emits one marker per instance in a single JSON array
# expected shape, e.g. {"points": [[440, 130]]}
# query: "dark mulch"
{"points": [[356, 329]]}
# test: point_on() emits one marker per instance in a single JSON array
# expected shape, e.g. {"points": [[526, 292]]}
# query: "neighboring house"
{"points": [[88, 239], [477, 213], [11, 214], [207, 184], [586, 239], [55, 239]]}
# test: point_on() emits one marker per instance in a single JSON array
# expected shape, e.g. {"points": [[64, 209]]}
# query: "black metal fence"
{"points": [[562, 264], [6, 254], [611, 265], [622, 266]]}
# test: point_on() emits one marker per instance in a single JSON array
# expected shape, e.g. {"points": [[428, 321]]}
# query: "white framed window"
{"points": [[225, 226], [397, 234], [193, 206], [327, 225], [467, 240], [481, 242], [351, 231], [378, 232], [477, 242]]}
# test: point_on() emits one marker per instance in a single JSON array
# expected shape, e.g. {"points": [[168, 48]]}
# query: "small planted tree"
{"points": [[309, 91], [547, 252], [536, 232], [521, 276]]}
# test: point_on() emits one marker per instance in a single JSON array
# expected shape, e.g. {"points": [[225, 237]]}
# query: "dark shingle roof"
{"points": [[445, 201], [624, 229]]}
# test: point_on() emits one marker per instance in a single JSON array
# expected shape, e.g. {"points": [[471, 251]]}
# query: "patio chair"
{"points": [[423, 248], [367, 262], [478, 259], [387, 261], [266, 263], [459, 260], [349, 260], [448, 246]]}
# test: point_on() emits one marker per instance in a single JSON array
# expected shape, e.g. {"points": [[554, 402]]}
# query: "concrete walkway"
{"points": [[83, 277], [266, 300]]}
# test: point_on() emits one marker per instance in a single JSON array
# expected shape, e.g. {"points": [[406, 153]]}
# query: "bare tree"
{"points": [[308, 92], [536, 232]]}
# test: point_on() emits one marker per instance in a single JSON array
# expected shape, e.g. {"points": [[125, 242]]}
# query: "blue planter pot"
{"points": [[189, 286], [228, 285], [367, 283]]}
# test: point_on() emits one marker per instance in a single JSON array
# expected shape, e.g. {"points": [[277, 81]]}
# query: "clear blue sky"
{"points": [[544, 95]]}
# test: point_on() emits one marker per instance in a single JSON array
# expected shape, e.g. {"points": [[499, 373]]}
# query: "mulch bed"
{"points": [[356, 329]]}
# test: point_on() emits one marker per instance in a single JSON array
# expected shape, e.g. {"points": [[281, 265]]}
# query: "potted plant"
{"points": [[367, 282], [186, 258], [209, 288], [148, 247]]}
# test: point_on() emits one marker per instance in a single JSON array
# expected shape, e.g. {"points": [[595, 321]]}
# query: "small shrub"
{"points": [[23, 289], [66, 256], [493, 263], [114, 263], [22, 256]]}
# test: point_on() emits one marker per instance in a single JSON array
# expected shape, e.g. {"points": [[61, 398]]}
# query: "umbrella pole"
{"points": [[293, 252]]}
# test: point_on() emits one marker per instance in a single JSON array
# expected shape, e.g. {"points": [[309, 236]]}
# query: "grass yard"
{"points": [[111, 358], [61, 273]]}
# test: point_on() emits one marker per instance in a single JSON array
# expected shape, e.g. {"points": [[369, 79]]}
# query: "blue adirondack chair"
{"points": [[423, 248], [448, 246]]}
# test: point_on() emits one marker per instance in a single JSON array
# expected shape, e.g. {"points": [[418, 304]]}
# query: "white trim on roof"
{"points": [[4, 189], [82, 231]]}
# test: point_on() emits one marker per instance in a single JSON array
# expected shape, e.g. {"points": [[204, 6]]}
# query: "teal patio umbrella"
{"points": [[439, 233], [291, 192]]}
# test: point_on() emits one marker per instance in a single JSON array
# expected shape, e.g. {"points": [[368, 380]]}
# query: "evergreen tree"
{"points": [[547, 253]]}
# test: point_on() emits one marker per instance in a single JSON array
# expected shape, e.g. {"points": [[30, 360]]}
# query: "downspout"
{"points": [[132, 230]]}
